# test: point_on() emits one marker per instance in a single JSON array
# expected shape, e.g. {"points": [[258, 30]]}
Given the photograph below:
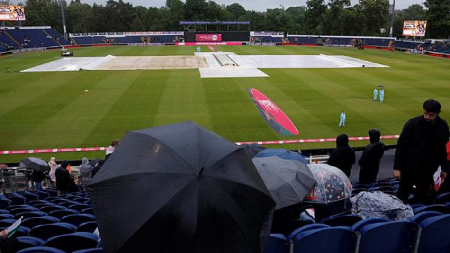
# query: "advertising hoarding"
{"points": [[12, 13], [414, 28], [208, 37]]}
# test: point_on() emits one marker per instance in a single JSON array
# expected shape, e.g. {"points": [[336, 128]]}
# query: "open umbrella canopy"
{"points": [[95, 161], [35, 164], [331, 184], [180, 188], [282, 153], [288, 181]]}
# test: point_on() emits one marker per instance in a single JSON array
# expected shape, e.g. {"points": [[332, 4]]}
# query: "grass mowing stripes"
{"points": [[52, 110]]}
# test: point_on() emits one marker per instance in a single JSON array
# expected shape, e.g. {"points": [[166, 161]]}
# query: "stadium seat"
{"points": [[4, 203], [41, 249], [79, 207], [49, 209], [88, 211], [435, 235], [66, 204], [6, 216], [22, 210], [277, 244], [42, 194], [29, 214], [78, 219], [443, 198], [40, 205], [286, 227], [28, 241], [34, 202], [36, 221], [4, 211], [392, 236], [327, 239], [342, 220], [357, 226], [92, 250], [61, 213], [418, 218], [438, 208], [306, 228], [89, 227], [73, 242], [17, 200], [30, 196], [47, 231]]}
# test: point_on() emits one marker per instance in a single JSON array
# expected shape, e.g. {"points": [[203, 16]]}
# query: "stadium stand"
{"points": [[168, 37], [14, 38]]}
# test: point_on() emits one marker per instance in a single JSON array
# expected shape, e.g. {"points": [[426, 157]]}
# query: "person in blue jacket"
{"points": [[375, 94], [381, 95], [343, 116]]}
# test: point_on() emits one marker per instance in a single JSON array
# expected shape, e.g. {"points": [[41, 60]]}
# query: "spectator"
{"points": [[343, 116], [37, 177], [370, 158], [421, 148], [64, 181], [343, 156], [53, 165], [85, 171], [111, 148]]}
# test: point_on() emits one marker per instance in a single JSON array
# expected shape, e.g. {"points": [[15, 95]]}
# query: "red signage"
{"points": [[208, 37]]}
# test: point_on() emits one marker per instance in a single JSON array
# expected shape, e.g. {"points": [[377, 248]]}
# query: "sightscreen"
{"points": [[208, 37], [414, 27], [12, 13]]}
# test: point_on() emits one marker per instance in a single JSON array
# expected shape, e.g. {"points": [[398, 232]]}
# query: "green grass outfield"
{"points": [[52, 109]]}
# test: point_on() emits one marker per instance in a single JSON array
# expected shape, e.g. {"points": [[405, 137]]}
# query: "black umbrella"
{"points": [[36, 164], [253, 149], [95, 161], [180, 188]]}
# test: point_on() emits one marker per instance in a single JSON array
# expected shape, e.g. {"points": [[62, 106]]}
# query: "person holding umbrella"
{"points": [[38, 166], [37, 177]]}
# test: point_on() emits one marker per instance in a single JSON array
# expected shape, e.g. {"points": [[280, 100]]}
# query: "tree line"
{"points": [[334, 17]]}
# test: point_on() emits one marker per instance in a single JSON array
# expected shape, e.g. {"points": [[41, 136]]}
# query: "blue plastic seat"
{"points": [[27, 241], [93, 250], [393, 236], [36, 221], [88, 211], [438, 208], [17, 200], [342, 220], [277, 243], [418, 218], [443, 198], [6, 216], [41, 249], [30, 214], [49, 209], [326, 239], [4, 203], [435, 235], [360, 224], [22, 209], [89, 227], [77, 219], [79, 207], [73, 242], [50, 230], [61, 213], [22, 231], [7, 222]]}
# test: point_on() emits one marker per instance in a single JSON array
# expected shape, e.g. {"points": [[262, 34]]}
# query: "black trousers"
{"points": [[419, 184]]}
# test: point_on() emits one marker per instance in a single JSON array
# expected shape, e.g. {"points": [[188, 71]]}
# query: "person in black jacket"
{"points": [[420, 151], [370, 158], [64, 181], [37, 177], [343, 156]]}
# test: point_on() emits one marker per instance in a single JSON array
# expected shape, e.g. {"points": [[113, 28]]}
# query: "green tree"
{"points": [[236, 10], [314, 16], [194, 10], [353, 18], [79, 18], [296, 17], [335, 17], [377, 15], [176, 8], [137, 25], [438, 24]]}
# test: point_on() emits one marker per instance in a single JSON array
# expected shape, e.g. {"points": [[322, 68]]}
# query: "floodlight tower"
{"points": [[391, 30], [63, 19]]}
